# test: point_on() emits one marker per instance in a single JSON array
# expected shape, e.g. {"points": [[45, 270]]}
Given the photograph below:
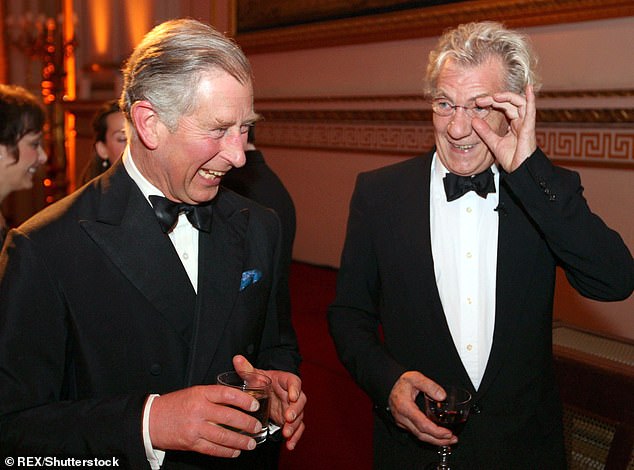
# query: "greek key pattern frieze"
{"points": [[610, 146], [600, 146]]}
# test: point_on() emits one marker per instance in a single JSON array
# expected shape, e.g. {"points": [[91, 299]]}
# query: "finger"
{"points": [[230, 396], [223, 441], [509, 97], [514, 105], [433, 390], [292, 442], [531, 109], [241, 363], [488, 135], [294, 387], [509, 109], [235, 419], [286, 386], [296, 408], [428, 432], [290, 426], [210, 448]]}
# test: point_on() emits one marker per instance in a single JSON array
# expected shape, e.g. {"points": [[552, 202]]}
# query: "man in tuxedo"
{"points": [[448, 269], [120, 304]]}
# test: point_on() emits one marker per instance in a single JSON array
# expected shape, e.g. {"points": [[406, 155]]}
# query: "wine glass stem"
{"points": [[445, 452]]}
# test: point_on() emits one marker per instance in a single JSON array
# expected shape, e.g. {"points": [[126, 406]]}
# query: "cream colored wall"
{"points": [[590, 55]]}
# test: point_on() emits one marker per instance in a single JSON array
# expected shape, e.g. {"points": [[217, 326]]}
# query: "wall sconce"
{"points": [[50, 40]]}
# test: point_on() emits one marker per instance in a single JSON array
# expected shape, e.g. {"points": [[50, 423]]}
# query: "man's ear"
{"points": [[147, 123]]}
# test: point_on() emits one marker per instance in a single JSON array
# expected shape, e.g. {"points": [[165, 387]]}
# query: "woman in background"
{"points": [[21, 154], [110, 139]]}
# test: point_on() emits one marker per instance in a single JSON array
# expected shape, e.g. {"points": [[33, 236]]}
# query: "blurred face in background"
{"points": [[18, 174], [112, 148]]}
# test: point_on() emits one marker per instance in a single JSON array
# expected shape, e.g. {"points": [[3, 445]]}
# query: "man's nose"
{"points": [[233, 149], [460, 124]]}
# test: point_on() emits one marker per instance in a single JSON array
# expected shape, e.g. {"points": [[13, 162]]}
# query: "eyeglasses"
{"points": [[444, 108]]}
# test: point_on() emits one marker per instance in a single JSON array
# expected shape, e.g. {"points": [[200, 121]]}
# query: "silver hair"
{"points": [[166, 67], [472, 44]]}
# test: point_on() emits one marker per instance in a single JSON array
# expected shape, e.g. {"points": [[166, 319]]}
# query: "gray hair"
{"points": [[472, 44], [166, 67]]}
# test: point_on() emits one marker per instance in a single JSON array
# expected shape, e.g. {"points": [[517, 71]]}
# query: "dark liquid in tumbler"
{"points": [[261, 414]]}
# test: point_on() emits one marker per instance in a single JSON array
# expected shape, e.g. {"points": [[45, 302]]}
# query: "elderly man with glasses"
{"points": [[448, 270]]}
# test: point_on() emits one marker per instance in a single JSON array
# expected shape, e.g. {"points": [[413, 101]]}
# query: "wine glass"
{"points": [[450, 413]]}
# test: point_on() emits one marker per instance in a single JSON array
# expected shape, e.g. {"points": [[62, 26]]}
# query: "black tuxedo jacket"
{"points": [[257, 181], [387, 317], [97, 311]]}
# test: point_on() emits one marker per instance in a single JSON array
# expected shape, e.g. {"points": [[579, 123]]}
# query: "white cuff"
{"points": [[155, 457]]}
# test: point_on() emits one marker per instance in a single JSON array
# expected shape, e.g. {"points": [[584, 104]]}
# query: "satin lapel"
{"points": [[510, 284], [221, 259], [127, 231]]}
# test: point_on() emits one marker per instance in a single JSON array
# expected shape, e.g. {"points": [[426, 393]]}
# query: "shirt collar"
{"points": [[438, 170], [147, 188]]}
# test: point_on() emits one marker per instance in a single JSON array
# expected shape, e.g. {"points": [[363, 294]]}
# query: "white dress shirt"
{"points": [[464, 238]]}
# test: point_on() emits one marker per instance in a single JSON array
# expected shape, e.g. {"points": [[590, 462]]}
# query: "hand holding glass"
{"points": [[451, 413], [259, 387]]}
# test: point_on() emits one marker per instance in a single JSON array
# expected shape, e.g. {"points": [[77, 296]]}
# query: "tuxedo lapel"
{"points": [[127, 231], [221, 262], [425, 263], [412, 260], [511, 281]]}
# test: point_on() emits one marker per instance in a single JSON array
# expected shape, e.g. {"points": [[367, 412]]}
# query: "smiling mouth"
{"points": [[463, 148], [210, 174]]}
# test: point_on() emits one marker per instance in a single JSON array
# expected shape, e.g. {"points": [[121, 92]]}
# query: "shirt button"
{"points": [[185, 256], [469, 210], [469, 347], [469, 301], [469, 255]]}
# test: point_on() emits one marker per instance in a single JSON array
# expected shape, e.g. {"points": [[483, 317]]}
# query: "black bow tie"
{"points": [[167, 213], [482, 183]]}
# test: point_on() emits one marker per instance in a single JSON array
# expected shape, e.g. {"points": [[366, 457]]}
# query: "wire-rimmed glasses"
{"points": [[444, 107]]}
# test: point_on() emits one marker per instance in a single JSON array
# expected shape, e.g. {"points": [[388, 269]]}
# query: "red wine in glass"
{"points": [[450, 413], [452, 420]]}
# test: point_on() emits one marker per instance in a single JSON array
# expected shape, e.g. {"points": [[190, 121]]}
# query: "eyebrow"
{"points": [[252, 119], [438, 94]]}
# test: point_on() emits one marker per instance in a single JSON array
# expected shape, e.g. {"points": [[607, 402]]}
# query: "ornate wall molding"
{"points": [[613, 117], [401, 125], [429, 21]]}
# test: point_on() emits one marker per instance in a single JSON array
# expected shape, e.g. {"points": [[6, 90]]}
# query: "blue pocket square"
{"points": [[249, 277]]}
